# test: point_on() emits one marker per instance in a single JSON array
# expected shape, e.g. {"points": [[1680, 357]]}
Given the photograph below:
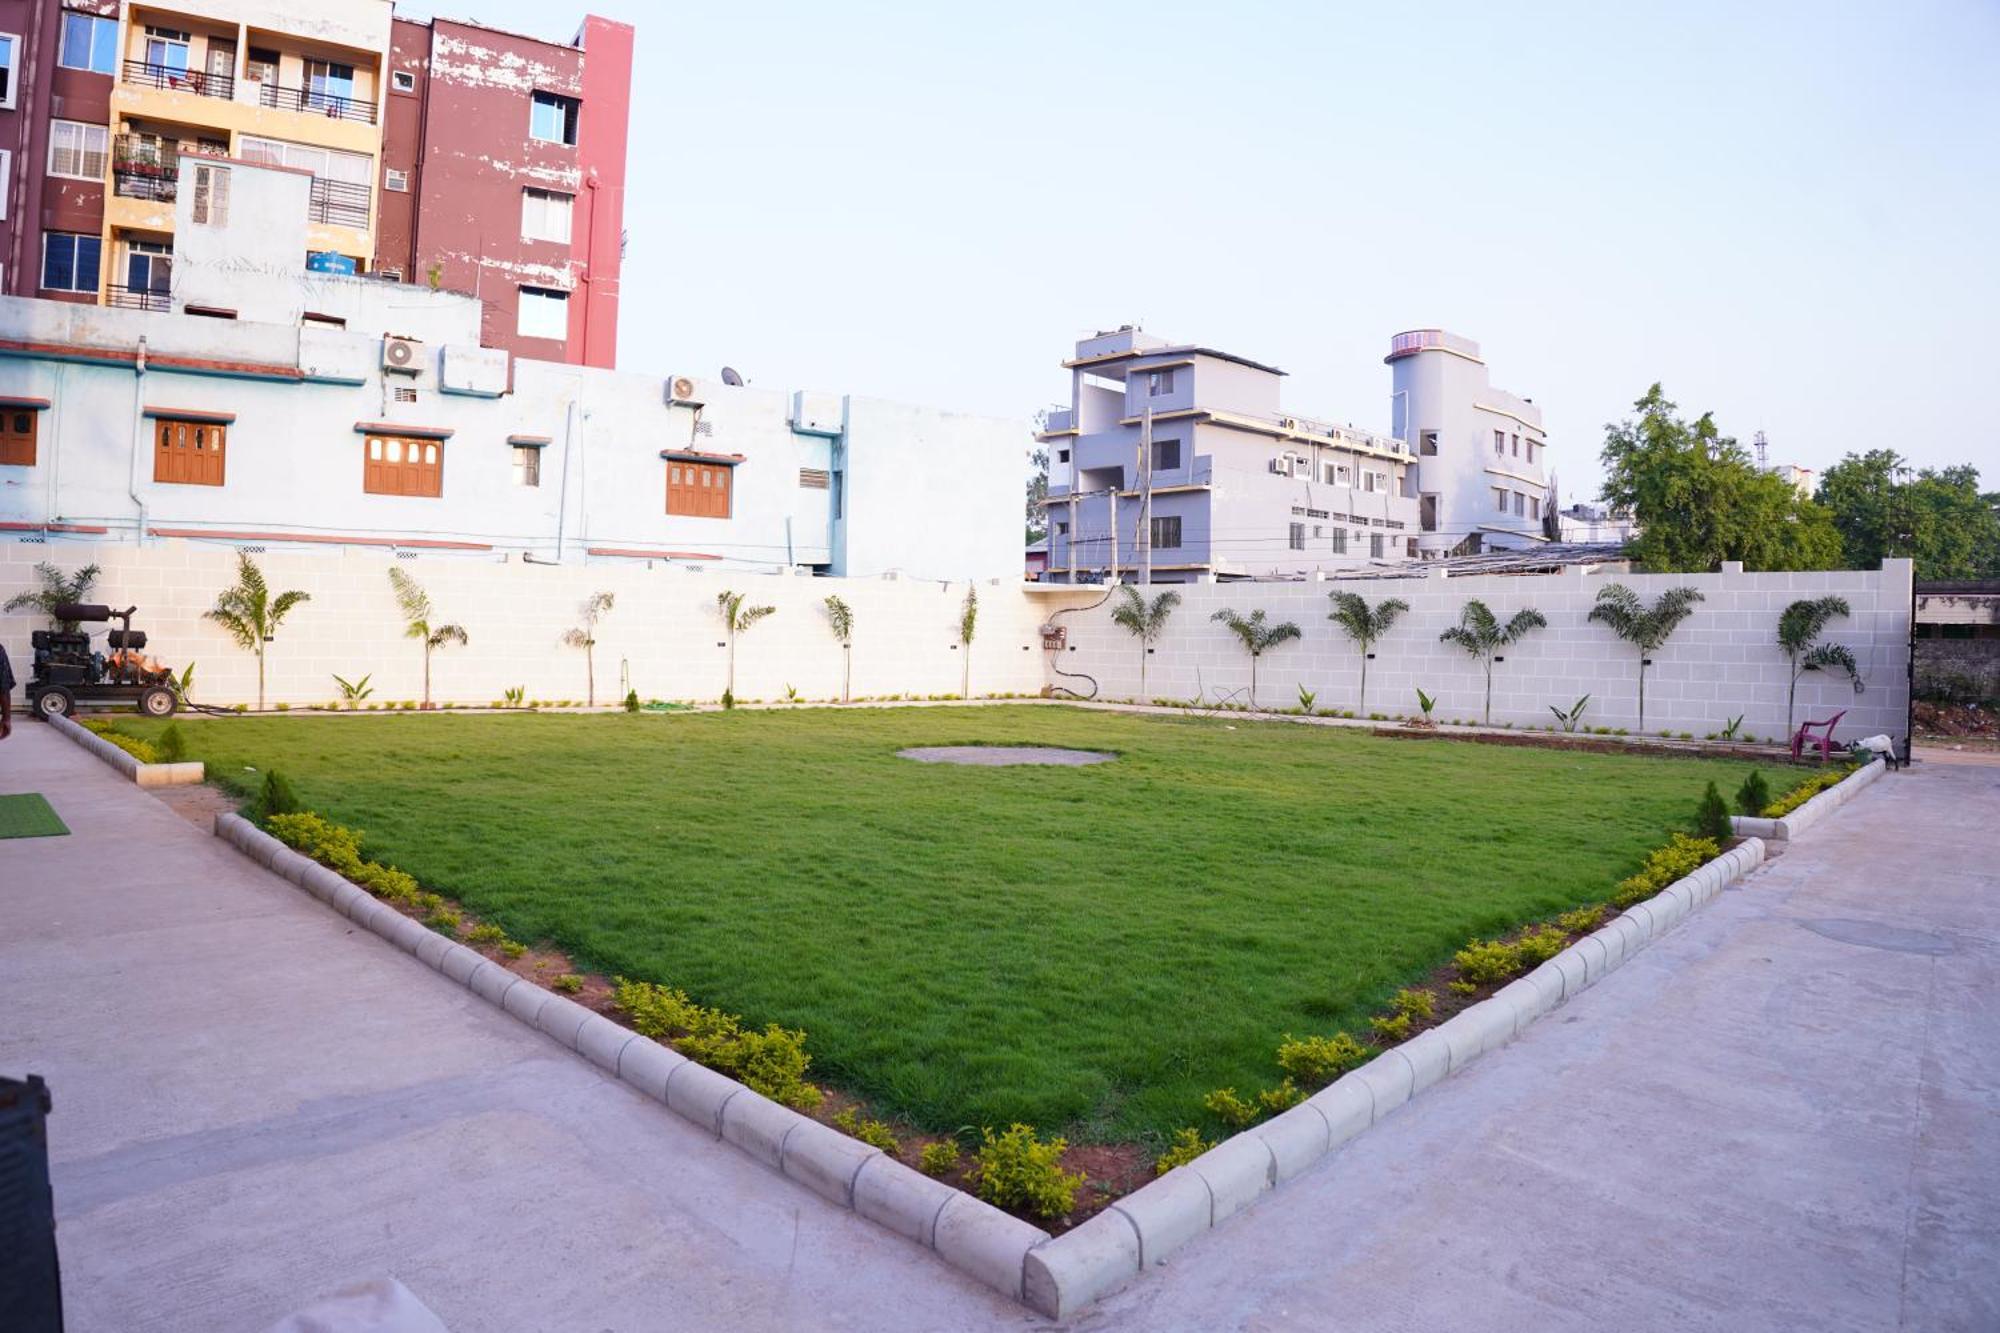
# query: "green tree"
{"points": [[1038, 491], [968, 625], [251, 614], [840, 619], [1257, 637], [737, 618], [418, 623], [1799, 628], [584, 636], [1644, 627], [57, 589], [1364, 625], [1480, 633], [1145, 621], [1937, 518], [1700, 500]]}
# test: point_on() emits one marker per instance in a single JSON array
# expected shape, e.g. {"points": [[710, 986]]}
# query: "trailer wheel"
{"points": [[54, 702], [158, 701]]}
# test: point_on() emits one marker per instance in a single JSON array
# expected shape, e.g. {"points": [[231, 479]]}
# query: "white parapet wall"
{"points": [[663, 632], [1722, 662]]}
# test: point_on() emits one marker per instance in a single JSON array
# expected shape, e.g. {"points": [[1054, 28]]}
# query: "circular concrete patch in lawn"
{"points": [[1004, 756]]}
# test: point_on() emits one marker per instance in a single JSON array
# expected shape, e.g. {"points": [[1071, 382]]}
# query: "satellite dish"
{"points": [[730, 377]]}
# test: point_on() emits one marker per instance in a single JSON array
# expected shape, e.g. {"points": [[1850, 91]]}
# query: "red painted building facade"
{"points": [[510, 157], [40, 90]]}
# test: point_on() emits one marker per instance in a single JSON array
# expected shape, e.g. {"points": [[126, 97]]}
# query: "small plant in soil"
{"points": [[940, 1158], [1187, 1145]]}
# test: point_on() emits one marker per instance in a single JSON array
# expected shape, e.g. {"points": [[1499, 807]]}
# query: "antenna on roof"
{"points": [[729, 376], [1762, 446]]}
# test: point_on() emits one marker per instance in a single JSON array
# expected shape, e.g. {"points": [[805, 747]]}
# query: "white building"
{"points": [[270, 404], [1482, 455]]}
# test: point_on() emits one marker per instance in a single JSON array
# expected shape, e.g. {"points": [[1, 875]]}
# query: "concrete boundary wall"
{"points": [[146, 775], [1721, 662], [664, 629], [967, 1233]]}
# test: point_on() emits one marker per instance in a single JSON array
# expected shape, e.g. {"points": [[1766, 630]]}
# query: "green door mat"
{"points": [[29, 816]]}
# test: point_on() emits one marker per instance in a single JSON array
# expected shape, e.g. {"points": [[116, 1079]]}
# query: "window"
{"points": [[1340, 541], [1427, 444], [6, 180], [149, 268], [89, 42], [1374, 546], [1427, 512], [1062, 527], [1499, 444], [1372, 482], [815, 479], [10, 46], [552, 119], [527, 465], [17, 437], [399, 181], [398, 465], [403, 81], [69, 262], [1166, 533], [1535, 507], [1166, 455], [698, 490], [1159, 382], [543, 314], [167, 48], [329, 86], [1343, 475], [261, 67], [1520, 504], [1411, 549], [211, 196], [1500, 499], [1062, 455], [1298, 536], [545, 215], [78, 150], [188, 453], [1517, 445], [324, 321]]}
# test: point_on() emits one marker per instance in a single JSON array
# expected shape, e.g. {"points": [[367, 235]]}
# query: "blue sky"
{"points": [[1786, 212]]}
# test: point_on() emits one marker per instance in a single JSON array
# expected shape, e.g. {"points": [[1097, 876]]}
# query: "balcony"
{"points": [[339, 203], [139, 298], [144, 168], [172, 79], [313, 103]]}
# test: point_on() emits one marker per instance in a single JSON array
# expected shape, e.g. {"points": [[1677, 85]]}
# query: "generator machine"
{"points": [[68, 671]]}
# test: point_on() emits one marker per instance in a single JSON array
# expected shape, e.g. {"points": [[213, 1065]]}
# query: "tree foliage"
{"points": [[1037, 491], [1257, 635], [1144, 621], [1364, 624], [1480, 633], [1644, 627], [1799, 628], [1938, 518], [1700, 500], [250, 614], [57, 589]]}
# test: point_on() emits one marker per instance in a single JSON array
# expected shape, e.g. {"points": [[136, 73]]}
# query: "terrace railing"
{"points": [[144, 169], [139, 298], [331, 105], [173, 79]]}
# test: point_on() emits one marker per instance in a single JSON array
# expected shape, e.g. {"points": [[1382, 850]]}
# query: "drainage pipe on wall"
{"points": [[138, 434]]}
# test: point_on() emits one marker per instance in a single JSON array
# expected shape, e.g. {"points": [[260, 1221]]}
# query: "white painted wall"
{"points": [[1722, 661], [664, 626]]}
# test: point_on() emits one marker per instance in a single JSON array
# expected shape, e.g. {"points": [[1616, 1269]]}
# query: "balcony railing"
{"points": [[173, 79], [144, 169], [331, 105], [139, 298], [339, 203]]}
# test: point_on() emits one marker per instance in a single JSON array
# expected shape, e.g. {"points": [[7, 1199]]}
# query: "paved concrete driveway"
{"points": [[1780, 1117]]}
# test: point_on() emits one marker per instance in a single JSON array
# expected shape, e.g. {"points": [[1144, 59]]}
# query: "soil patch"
{"points": [[197, 803], [1004, 756]]}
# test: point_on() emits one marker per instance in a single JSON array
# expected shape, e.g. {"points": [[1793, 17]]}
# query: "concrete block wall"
{"points": [[664, 626], [1722, 661]]}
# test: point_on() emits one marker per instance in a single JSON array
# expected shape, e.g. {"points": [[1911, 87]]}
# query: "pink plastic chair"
{"points": [[1804, 736]]}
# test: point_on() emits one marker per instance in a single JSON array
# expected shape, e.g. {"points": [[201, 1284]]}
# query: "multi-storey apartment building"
{"points": [[423, 144], [334, 409], [1482, 457], [1175, 462]]}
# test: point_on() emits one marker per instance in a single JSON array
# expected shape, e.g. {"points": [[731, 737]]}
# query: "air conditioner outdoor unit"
{"points": [[403, 355], [1282, 465], [1289, 423], [680, 389]]}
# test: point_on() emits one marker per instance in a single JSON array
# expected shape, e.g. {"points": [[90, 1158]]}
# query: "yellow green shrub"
{"points": [[1321, 1059], [1187, 1145], [1805, 791], [1017, 1170], [874, 1133], [1281, 1098], [938, 1159], [1230, 1109]]}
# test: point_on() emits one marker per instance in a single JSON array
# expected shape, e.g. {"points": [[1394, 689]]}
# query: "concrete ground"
{"points": [[1779, 1117]]}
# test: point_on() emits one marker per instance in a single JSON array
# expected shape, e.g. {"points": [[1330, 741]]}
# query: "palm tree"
{"points": [[1799, 628], [840, 619], [1481, 634], [584, 636], [1364, 625], [1145, 620], [416, 604], [968, 621], [1258, 637], [251, 614], [737, 618], [57, 590], [1644, 627]]}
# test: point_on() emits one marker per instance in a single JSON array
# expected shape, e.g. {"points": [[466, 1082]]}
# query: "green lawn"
{"points": [[1086, 949]]}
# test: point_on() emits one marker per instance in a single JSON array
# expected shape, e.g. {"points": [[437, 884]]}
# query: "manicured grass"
{"points": [[1088, 949]]}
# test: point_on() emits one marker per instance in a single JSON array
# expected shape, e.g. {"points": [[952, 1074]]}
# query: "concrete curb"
{"points": [[1787, 827], [969, 1234], [1143, 1228], [146, 775]]}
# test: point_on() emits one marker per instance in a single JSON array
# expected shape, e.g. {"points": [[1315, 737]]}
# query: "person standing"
{"points": [[6, 694]]}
